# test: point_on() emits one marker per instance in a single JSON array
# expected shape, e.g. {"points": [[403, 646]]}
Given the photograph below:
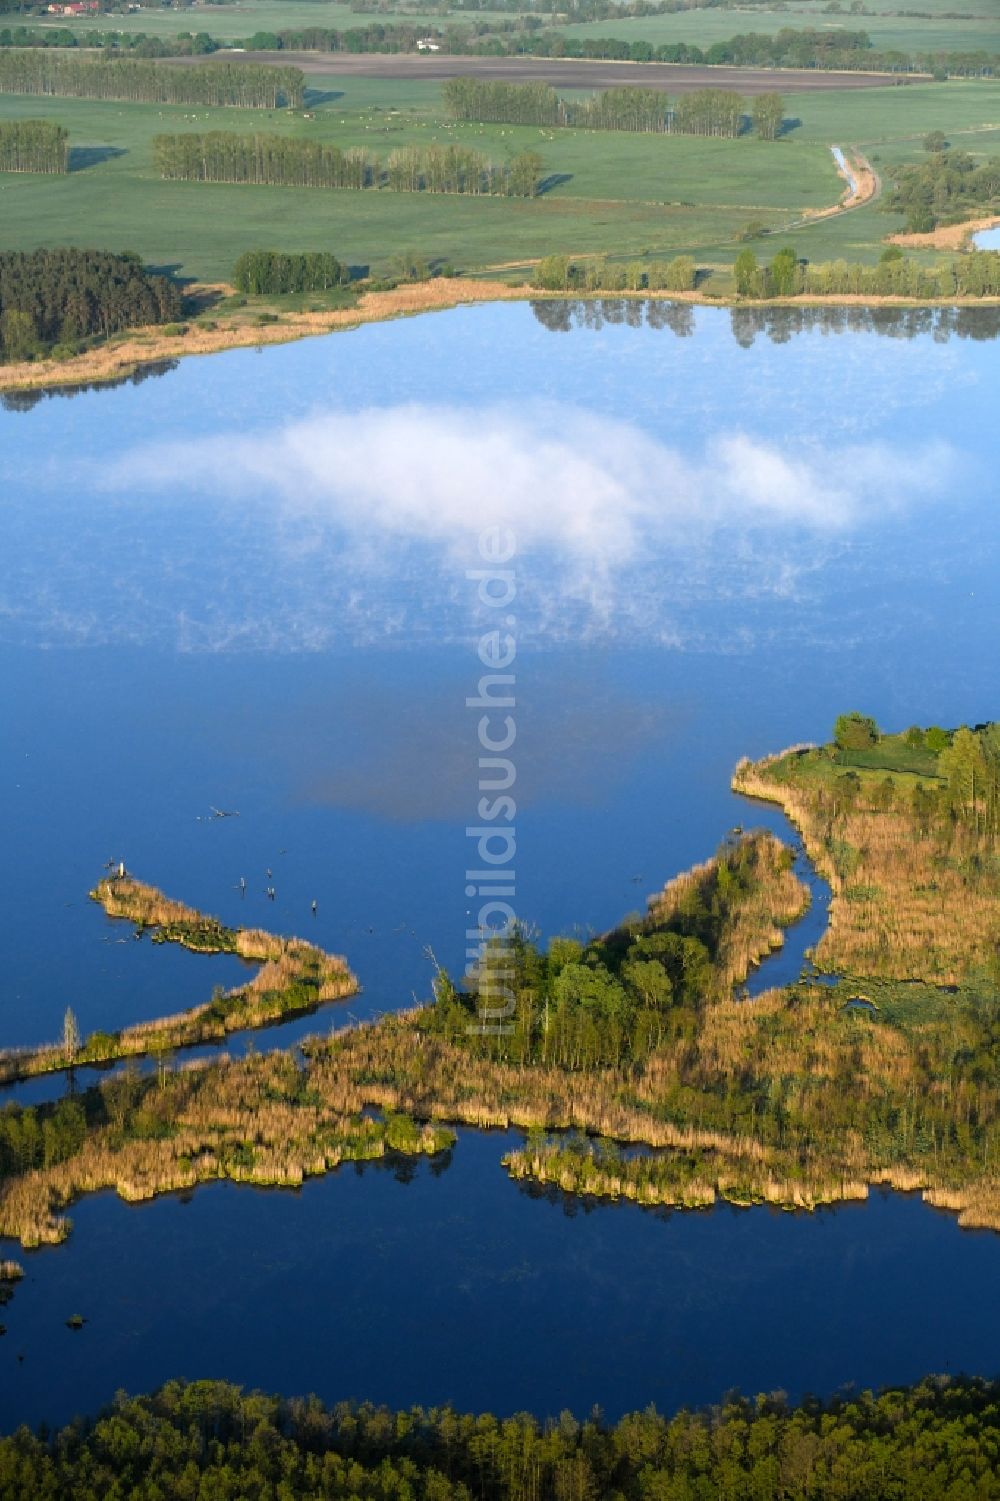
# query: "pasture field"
{"points": [[626, 195], [234, 22], [703, 27], [887, 27]]}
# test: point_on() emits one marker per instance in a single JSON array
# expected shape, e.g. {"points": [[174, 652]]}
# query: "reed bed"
{"points": [[755, 924], [258, 1120], [784, 1099], [294, 977], [912, 898], [676, 1180]]}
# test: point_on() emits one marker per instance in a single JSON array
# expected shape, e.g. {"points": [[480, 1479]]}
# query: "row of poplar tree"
{"points": [[33, 146], [560, 273], [708, 112], [227, 156], [975, 274], [242, 85]]}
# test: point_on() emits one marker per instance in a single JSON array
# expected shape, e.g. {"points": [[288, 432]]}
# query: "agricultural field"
{"points": [[979, 26], [703, 27], [605, 191]]}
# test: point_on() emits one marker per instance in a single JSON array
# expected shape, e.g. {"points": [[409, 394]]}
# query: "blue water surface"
{"points": [[243, 585]]}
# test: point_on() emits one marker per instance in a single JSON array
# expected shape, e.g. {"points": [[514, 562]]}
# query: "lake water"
{"points": [[987, 239], [244, 586]]}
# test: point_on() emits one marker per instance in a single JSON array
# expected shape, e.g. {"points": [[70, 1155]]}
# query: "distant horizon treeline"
{"points": [[708, 112], [273, 160], [241, 85], [803, 48], [55, 297], [33, 146], [975, 273], [933, 1440]]}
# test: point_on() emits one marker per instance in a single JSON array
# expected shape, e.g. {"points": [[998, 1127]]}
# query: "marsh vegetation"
{"points": [[294, 977], [641, 1035], [906, 828]]}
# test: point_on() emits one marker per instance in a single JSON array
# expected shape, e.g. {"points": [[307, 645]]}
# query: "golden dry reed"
{"points": [[294, 976]]}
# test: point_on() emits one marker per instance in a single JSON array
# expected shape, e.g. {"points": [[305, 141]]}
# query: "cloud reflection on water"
{"points": [[362, 523]]}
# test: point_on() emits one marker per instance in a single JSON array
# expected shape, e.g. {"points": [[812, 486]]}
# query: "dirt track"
{"points": [[675, 78]]}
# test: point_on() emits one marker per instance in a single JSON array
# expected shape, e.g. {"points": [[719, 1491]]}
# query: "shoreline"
{"points": [[151, 346], [947, 236]]}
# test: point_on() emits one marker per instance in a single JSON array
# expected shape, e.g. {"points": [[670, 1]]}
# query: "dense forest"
{"points": [[270, 272], [33, 146], [936, 1441], [974, 274], [55, 297], [712, 112], [227, 156], [243, 85], [945, 188]]}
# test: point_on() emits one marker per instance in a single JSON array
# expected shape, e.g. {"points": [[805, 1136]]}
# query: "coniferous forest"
{"points": [[242, 85], [58, 296], [33, 146], [936, 1441]]}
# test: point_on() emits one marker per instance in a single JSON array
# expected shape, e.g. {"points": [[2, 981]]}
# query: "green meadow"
{"points": [[703, 27], [612, 192]]}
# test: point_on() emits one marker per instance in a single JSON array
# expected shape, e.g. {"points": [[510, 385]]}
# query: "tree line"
{"points": [[712, 112], [242, 85], [33, 146], [935, 1440], [792, 47], [53, 297], [561, 273], [259, 272], [184, 44], [227, 156], [974, 274]]}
